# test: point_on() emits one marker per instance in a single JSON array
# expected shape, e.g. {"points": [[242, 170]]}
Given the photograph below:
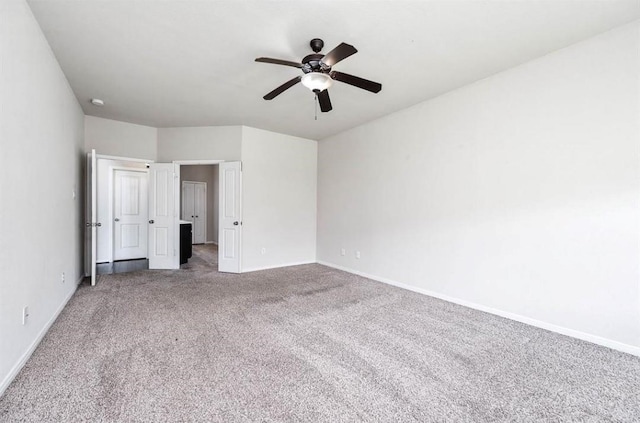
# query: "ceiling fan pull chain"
{"points": [[315, 101]]}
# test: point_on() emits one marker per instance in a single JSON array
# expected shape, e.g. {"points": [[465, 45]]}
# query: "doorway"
{"points": [[224, 222], [199, 203], [130, 216], [108, 239]]}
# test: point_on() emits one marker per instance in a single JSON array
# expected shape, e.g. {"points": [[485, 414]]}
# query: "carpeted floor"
{"points": [[305, 343]]}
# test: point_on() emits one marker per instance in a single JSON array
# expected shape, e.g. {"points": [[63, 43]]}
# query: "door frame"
{"points": [[201, 162], [111, 203]]}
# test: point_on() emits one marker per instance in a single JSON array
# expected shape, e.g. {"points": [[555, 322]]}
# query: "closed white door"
{"points": [[200, 209], [130, 214], [194, 209], [163, 216], [230, 218]]}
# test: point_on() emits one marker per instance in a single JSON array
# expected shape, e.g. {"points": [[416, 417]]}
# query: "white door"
{"points": [[163, 216], [200, 209], [130, 214], [230, 217], [188, 211], [91, 217], [194, 209]]}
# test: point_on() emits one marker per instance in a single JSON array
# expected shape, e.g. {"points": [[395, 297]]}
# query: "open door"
{"points": [[91, 217], [230, 217], [163, 216]]}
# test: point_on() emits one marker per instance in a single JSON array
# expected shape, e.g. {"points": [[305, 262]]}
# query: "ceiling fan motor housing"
{"points": [[312, 63]]}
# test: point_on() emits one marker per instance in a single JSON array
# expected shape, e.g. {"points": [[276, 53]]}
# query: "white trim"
{"points": [[123, 159], [277, 266], [605, 342], [27, 354], [198, 162], [211, 242]]}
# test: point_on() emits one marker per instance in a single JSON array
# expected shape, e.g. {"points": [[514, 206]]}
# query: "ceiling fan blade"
{"points": [[339, 53], [325, 101], [365, 84], [282, 88], [278, 62]]}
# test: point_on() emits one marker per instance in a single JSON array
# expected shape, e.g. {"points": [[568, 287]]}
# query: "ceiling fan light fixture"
{"points": [[317, 81]]}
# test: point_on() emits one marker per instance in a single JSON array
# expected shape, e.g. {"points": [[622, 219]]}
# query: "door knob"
{"points": [[151, 221], [235, 223], [117, 220], [196, 216]]}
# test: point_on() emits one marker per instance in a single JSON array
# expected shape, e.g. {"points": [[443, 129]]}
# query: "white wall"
{"points": [[115, 138], [279, 174], [518, 194], [209, 175], [199, 143], [41, 156]]}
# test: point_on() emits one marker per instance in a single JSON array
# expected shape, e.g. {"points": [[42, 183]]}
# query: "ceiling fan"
{"points": [[317, 73]]}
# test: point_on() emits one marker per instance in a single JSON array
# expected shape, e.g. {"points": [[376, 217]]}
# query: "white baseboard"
{"points": [[605, 342], [27, 354], [277, 266], [211, 242]]}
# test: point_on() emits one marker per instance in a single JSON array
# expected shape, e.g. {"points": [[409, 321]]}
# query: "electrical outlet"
{"points": [[25, 315], [263, 251], [343, 252], [357, 254], [62, 277]]}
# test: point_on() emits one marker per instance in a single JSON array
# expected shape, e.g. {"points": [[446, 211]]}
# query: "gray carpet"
{"points": [[305, 343]]}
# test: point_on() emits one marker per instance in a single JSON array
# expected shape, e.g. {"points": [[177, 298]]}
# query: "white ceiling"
{"points": [[191, 63]]}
